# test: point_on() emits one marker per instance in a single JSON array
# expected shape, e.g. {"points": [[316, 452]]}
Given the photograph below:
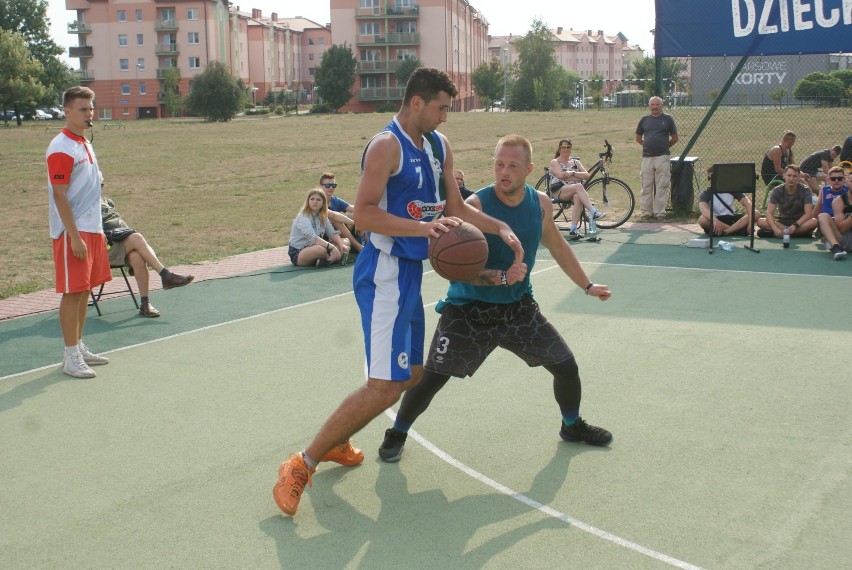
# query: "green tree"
{"points": [[29, 19], [406, 68], [489, 82], [594, 89], [216, 94], [335, 76], [20, 88], [171, 92], [538, 82], [844, 75], [645, 74], [778, 95], [820, 88]]}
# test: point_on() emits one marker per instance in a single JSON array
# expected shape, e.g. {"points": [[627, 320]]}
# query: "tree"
{"points": [[489, 82], [845, 76], [645, 74], [406, 68], [216, 94], [335, 76], [539, 81], [19, 85], [594, 89], [778, 95], [29, 19], [171, 92], [820, 88]]}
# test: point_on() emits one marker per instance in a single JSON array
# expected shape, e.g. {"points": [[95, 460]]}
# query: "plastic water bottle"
{"points": [[726, 246], [786, 239], [593, 226]]}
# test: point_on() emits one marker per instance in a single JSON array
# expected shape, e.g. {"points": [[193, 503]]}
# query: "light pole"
{"points": [[138, 67], [505, 73]]}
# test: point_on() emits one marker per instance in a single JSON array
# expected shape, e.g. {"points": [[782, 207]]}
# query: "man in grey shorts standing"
{"points": [[656, 133]]}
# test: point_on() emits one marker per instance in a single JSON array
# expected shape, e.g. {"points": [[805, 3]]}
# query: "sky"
{"points": [[633, 18]]}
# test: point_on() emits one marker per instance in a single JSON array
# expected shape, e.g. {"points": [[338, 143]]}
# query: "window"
{"points": [[142, 89], [123, 64], [192, 13], [320, 41], [368, 3], [371, 55], [310, 41], [125, 88], [138, 15], [194, 62], [402, 54], [122, 40], [140, 64], [192, 37], [140, 39], [369, 29], [122, 16], [310, 57], [125, 111], [370, 82], [105, 114], [407, 27], [311, 71]]}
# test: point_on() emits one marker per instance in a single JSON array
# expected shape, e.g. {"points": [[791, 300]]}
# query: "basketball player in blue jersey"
{"points": [[398, 202], [499, 310]]}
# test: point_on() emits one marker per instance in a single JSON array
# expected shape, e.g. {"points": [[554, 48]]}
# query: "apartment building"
{"points": [[448, 34]]}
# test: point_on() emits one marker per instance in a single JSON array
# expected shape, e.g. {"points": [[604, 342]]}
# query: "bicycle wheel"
{"points": [[612, 197]]}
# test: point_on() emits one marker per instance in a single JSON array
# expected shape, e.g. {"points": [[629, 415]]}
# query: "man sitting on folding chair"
{"points": [[128, 247]]}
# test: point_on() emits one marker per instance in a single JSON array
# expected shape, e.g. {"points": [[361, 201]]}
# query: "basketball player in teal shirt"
{"points": [[499, 310]]}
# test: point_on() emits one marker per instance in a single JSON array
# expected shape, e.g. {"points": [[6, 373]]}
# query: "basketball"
{"points": [[459, 254]]}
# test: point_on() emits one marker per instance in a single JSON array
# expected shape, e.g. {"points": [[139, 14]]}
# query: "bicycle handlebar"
{"points": [[608, 154]]}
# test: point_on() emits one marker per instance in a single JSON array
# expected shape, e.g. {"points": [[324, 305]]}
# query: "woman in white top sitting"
{"points": [[567, 175], [313, 240]]}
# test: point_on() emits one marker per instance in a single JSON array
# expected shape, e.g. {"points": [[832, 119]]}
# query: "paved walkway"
{"points": [[44, 301]]}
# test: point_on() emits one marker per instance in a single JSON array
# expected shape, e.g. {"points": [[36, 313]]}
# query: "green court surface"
{"points": [[721, 377]]}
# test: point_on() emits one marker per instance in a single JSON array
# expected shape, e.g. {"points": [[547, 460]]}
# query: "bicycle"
{"points": [[610, 195]]}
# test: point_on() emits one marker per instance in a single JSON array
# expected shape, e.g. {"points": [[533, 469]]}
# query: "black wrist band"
{"points": [[589, 286]]}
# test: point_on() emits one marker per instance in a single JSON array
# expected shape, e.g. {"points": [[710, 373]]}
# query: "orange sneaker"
{"points": [[345, 454], [293, 474]]}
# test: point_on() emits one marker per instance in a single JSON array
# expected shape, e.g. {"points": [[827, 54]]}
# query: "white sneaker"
{"points": [[91, 358], [75, 366]]}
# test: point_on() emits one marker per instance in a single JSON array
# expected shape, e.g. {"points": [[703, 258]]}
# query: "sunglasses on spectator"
{"points": [[835, 178], [564, 146], [330, 184]]}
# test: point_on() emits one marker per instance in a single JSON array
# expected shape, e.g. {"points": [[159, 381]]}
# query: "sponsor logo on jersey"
{"points": [[419, 210]]}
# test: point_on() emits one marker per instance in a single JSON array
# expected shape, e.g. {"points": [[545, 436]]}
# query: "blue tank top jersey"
{"points": [[828, 196], [412, 192], [525, 220]]}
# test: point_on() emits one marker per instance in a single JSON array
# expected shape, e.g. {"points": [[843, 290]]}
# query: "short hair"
{"points": [[427, 83], [516, 140], [76, 92], [837, 150], [325, 175], [792, 167], [788, 135], [651, 100], [837, 168]]}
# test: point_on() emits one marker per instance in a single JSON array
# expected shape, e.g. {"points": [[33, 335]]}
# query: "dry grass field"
{"points": [[202, 191]]}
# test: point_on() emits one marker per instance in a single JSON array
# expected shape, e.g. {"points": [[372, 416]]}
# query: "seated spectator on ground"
{"points": [[465, 191], [846, 151], [793, 204], [726, 221], [567, 175], [818, 163], [836, 187], [130, 248], [340, 212], [313, 239], [778, 157], [837, 228]]}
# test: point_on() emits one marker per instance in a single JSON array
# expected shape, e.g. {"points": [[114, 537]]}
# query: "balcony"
{"points": [[396, 38], [84, 76], [403, 11], [78, 27], [381, 93], [387, 12], [80, 51], [166, 49], [378, 66], [165, 26]]}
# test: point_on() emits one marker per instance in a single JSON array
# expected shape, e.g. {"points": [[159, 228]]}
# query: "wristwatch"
{"points": [[503, 278]]}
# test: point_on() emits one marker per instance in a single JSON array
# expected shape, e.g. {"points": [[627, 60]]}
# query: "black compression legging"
{"points": [[566, 389]]}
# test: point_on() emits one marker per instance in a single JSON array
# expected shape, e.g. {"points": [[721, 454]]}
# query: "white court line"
{"points": [[580, 525]]}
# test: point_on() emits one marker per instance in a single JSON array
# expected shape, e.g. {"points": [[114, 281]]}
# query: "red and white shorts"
{"points": [[76, 275]]}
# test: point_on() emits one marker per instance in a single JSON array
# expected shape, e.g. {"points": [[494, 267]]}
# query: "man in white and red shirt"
{"points": [[79, 248]]}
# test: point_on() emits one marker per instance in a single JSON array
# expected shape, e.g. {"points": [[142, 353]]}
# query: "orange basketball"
{"points": [[459, 254]]}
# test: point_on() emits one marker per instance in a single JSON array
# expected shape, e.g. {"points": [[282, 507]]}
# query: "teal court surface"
{"points": [[724, 379]]}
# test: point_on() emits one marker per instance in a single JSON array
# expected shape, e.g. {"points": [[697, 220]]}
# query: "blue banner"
{"points": [[752, 27]]}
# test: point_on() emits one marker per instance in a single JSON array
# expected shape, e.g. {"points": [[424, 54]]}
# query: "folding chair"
{"points": [[562, 208], [733, 178], [96, 297]]}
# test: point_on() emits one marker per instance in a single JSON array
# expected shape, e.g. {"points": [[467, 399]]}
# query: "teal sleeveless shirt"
{"points": [[525, 220]]}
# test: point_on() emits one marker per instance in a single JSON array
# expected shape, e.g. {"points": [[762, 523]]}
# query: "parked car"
{"points": [[9, 116], [57, 112], [42, 115]]}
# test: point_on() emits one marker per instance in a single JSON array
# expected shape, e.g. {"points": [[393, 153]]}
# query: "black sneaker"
{"points": [[574, 235], [391, 449], [839, 252], [581, 431]]}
